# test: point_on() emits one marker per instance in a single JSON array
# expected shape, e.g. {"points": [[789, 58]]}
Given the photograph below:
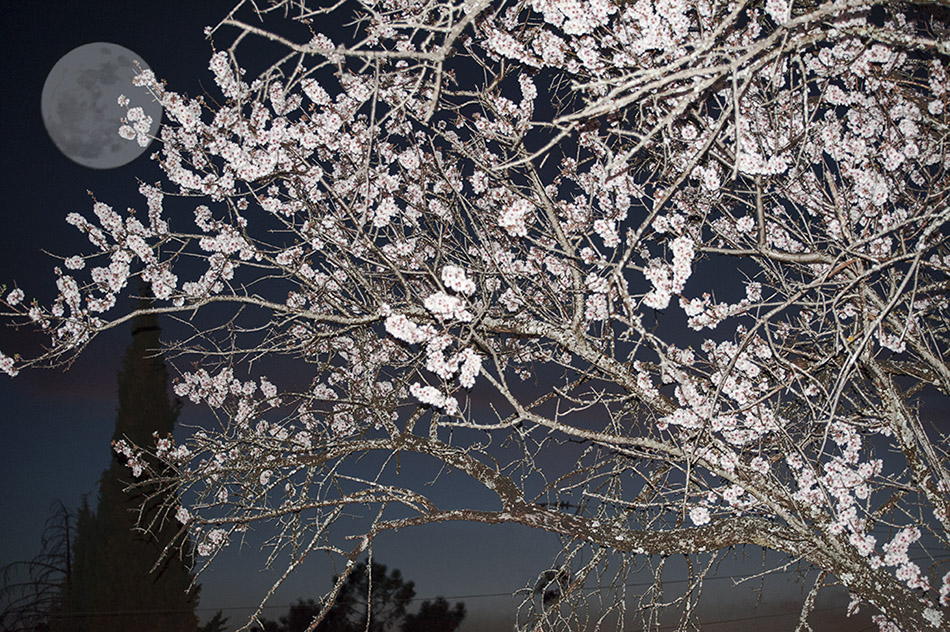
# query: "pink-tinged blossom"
{"points": [[683, 253], [778, 10], [182, 515], [315, 92], [200, 386], [644, 381], [733, 494], [895, 551], [372, 208], [595, 307], [225, 77], [505, 45], [399, 326], [703, 313], [597, 284], [38, 316], [446, 307], [385, 211], [711, 179], [509, 298], [162, 446], [410, 159], [550, 48], [479, 181], [745, 224], [268, 389], [213, 541], [760, 465], [669, 280], [863, 542], [163, 282], [436, 361], [884, 624], [431, 396], [471, 367], [122, 448], [455, 278], [7, 365], [659, 297], [179, 454], [15, 297], [683, 357], [451, 406], [573, 16], [891, 341], [153, 198], [137, 125], [608, 232], [699, 516], [342, 424], [529, 93], [69, 292], [945, 590], [514, 218]]}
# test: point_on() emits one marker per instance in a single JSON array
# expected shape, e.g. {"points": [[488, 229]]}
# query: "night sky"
{"points": [[56, 426]]}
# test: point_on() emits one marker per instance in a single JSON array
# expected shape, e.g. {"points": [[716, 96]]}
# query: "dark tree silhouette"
{"points": [[382, 597], [435, 616], [30, 592], [116, 584], [298, 619], [217, 623]]}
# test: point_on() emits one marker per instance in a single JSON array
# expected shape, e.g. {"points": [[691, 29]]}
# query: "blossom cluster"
{"points": [[666, 279], [212, 541], [348, 205], [458, 280], [200, 386], [134, 459], [138, 124], [514, 218], [8, 365], [399, 326], [431, 396], [447, 307]]}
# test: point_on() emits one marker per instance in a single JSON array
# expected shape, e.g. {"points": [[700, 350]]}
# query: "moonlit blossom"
{"points": [[607, 262], [699, 516]]}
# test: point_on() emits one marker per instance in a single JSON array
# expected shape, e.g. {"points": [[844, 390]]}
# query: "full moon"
{"points": [[80, 104]]}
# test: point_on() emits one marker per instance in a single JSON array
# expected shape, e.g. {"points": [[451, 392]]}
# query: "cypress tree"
{"points": [[113, 586]]}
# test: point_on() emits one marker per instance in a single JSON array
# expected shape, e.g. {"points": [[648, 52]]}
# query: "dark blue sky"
{"points": [[56, 426]]}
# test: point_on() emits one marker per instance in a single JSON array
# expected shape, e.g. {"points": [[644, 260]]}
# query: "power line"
{"points": [[271, 607], [757, 618], [589, 590]]}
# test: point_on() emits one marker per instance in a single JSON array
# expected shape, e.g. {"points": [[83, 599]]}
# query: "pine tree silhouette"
{"points": [[113, 586], [391, 598]]}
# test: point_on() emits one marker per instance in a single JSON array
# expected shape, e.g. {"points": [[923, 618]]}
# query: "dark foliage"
{"points": [[30, 592], [217, 623], [387, 608], [114, 586]]}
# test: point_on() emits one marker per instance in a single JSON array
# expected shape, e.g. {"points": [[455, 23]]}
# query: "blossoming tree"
{"points": [[663, 276]]}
